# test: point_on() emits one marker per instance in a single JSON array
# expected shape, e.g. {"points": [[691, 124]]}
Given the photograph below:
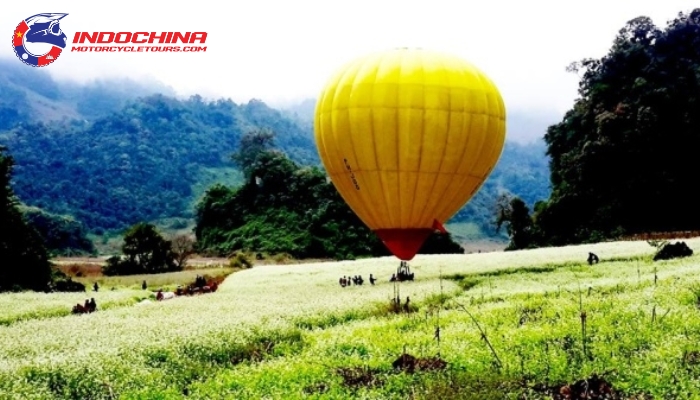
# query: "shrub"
{"points": [[241, 261]]}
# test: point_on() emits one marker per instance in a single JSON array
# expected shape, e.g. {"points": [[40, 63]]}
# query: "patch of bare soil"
{"points": [[360, 376], [318, 388], [594, 388], [411, 364]]}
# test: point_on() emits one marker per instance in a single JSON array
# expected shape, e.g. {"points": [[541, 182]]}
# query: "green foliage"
{"points": [[145, 251], [623, 158], [240, 261], [62, 235], [513, 212], [286, 208], [23, 258], [440, 243], [140, 163], [253, 145]]}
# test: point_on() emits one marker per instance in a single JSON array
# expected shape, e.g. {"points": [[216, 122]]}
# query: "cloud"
{"points": [[281, 51]]}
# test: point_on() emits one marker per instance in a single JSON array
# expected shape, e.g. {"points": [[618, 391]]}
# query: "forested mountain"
{"points": [[112, 154], [624, 156], [23, 257]]}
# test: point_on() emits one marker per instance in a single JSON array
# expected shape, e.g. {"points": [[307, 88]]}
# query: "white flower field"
{"points": [[285, 332]]}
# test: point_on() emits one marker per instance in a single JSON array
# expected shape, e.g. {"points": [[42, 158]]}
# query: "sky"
{"points": [[283, 51]]}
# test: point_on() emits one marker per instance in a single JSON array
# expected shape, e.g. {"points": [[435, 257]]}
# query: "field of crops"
{"points": [[510, 324]]}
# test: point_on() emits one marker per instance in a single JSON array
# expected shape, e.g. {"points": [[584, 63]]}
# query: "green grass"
{"points": [[465, 231], [475, 239], [510, 324], [167, 281]]}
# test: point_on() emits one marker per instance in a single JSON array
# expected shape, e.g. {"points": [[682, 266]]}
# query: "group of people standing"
{"points": [[356, 280]]}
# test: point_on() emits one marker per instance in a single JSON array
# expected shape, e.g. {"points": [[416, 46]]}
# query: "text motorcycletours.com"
{"points": [[139, 42]]}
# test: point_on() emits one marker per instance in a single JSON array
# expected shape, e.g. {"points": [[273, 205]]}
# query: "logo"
{"points": [[39, 40]]}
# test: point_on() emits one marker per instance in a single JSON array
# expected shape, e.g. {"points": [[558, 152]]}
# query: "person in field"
{"points": [[592, 259]]}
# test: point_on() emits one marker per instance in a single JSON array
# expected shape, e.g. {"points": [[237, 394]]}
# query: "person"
{"points": [[93, 305], [143, 285], [371, 279], [592, 259], [96, 287]]}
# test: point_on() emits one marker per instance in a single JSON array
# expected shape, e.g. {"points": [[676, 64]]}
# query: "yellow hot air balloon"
{"points": [[407, 137]]}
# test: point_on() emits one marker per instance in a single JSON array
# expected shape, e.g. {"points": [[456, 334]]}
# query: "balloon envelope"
{"points": [[407, 137]]}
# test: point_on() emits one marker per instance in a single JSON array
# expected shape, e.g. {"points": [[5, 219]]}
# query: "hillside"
{"points": [[113, 153]]}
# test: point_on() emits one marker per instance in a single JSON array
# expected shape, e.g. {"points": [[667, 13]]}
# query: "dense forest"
{"points": [[137, 164], [623, 158], [20, 244], [112, 154]]}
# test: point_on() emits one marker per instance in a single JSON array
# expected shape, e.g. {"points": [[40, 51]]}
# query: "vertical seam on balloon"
{"points": [[380, 171], [398, 143], [447, 204], [444, 149], [369, 211], [319, 136], [328, 146], [486, 84], [502, 111], [449, 198], [480, 181], [360, 202], [411, 220]]}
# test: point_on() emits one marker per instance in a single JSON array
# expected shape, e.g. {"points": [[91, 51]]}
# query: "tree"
{"points": [[441, 243], [183, 248], [62, 234], [515, 213], [623, 158], [145, 252], [253, 144], [24, 261]]}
